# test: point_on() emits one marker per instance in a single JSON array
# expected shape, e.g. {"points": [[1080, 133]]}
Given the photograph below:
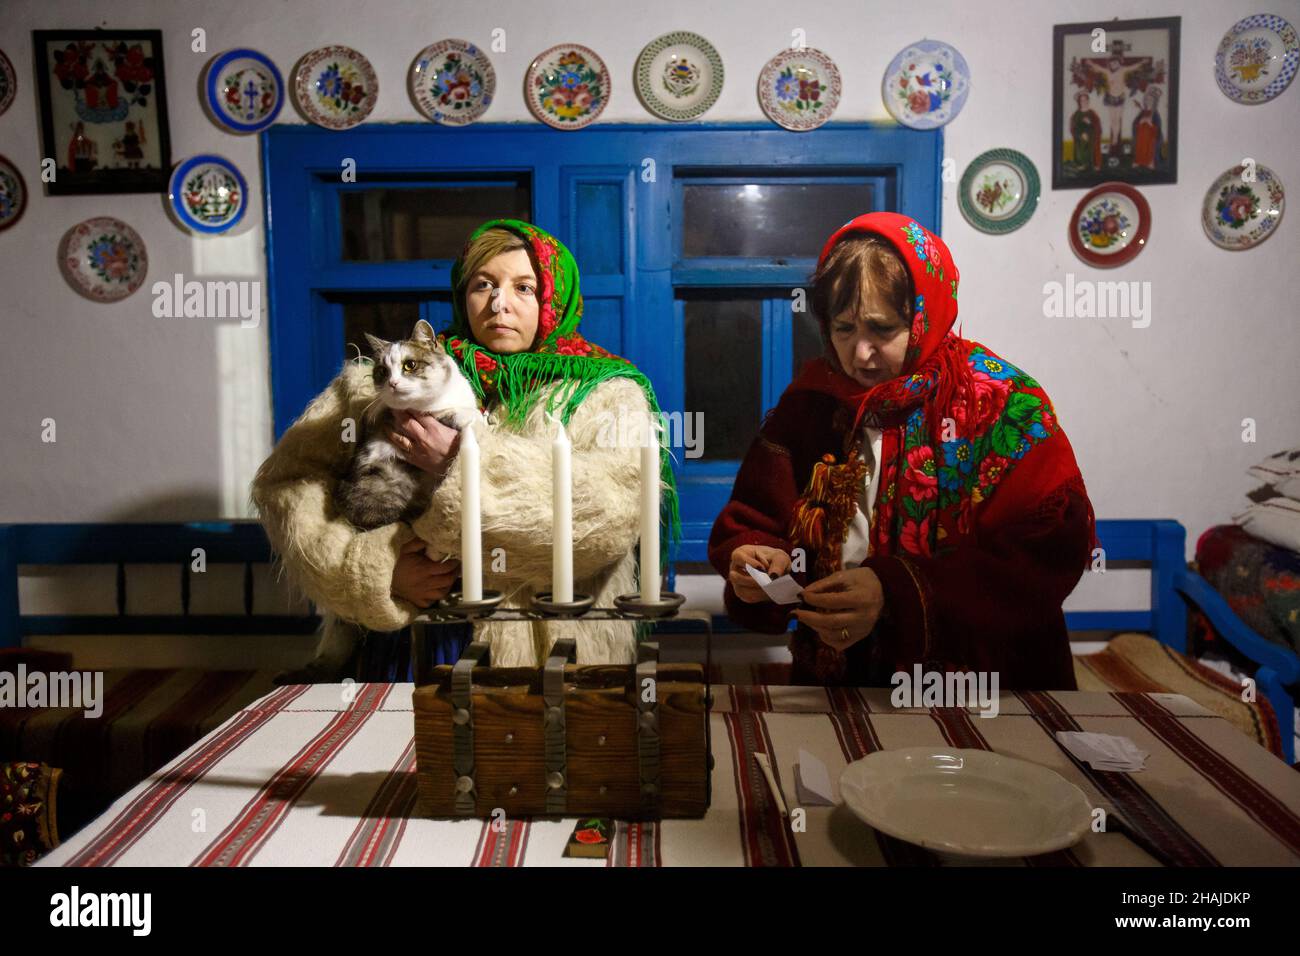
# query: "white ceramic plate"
{"points": [[103, 258], [1257, 59], [799, 88], [1240, 212], [966, 802], [567, 86], [452, 82], [926, 84], [335, 87], [243, 90], [679, 76]]}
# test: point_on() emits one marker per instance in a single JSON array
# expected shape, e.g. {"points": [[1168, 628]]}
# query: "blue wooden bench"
{"points": [[122, 544]]}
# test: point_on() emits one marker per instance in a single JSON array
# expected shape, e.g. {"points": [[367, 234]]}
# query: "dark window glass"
{"points": [[724, 366], [389, 318], [386, 224], [781, 220], [807, 342]]}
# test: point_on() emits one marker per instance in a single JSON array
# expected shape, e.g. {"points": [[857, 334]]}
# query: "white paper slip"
{"points": [[1104, 751], [784, 590], [812, 781]]}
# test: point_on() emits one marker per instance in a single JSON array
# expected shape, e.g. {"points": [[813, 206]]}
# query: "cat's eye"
{"points": [[410, 365]]}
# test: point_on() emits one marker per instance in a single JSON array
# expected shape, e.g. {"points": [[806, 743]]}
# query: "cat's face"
{"points": [[413, 373]]}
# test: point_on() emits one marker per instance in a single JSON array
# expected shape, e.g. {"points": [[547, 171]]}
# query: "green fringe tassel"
{"points": [[521, 379]]}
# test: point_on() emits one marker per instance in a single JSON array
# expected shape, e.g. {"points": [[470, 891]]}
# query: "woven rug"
{"points": [[1141, 664]]}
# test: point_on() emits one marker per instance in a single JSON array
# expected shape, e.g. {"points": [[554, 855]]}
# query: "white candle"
{"points": [[562, 514], [471, 519], [650, 516]]}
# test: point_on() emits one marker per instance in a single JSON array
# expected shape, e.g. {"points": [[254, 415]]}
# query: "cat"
{"points": [[380, 487], [416, 375]]}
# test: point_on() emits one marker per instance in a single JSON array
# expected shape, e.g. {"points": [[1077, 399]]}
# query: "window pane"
{"points": [[807, 343], [785, 220], [389, 318], [392, 224], [724, 369]]}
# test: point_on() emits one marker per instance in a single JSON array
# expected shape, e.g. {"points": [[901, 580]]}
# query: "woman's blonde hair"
{"points": [[492, 243]]}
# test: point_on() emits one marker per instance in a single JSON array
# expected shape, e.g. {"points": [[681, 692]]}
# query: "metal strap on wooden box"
{"points": [[462, 716], [647, 704], [563, 651]]}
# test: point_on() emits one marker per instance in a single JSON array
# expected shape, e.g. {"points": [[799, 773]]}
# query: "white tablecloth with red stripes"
{"points": [[324, 775]]}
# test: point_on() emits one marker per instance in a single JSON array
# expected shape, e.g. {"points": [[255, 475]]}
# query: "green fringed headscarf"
{"points": [[515, 383]]}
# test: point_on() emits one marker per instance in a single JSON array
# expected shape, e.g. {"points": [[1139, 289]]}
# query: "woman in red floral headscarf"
{"points": [[919, 486]]}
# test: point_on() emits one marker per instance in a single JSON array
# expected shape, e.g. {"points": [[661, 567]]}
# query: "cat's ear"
{"points": [[376, 343], [423, 333]]}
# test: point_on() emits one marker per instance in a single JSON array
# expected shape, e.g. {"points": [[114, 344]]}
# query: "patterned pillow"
{"points": [[28, 829]]}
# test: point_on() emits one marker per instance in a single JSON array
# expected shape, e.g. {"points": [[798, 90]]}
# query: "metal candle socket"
{"points": [[666, 606], [454, 605], [580, 605]]}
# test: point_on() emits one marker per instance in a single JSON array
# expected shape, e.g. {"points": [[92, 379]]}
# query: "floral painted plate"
{"points": [[678, 76], [243, 91], [1257, 58], [799, 88], [1110, 225], [567, 86], [926, 84], [1240, 213], [208, 194], [452, 82], [999, 191], [103, 258], [8, 82], [13, 194], [335, 87]]}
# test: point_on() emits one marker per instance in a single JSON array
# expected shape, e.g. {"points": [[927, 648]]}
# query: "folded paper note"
{"points": [[1103, 751], [784, 590]]}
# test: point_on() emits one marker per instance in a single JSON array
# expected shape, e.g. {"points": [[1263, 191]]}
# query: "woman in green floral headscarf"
{"points": [[517, 306]]}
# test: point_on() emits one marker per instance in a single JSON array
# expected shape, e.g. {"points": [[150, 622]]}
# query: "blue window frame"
{"points": [[616, 195]]}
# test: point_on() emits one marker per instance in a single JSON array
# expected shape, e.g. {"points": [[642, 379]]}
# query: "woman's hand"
{"points": [[772, 560], [419, 580], [849, 603], [424, 441]]}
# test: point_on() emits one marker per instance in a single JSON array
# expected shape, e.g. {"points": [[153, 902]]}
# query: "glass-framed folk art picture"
{"points": [[103, 110], [1115, 102]]}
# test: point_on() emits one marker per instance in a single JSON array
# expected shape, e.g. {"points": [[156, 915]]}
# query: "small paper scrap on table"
{"points": [[812, 781], [1104, 751], [784, 590]]}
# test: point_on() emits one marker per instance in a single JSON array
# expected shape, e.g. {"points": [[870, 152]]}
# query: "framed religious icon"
{"points": [[1115, 102], [103, 110]]}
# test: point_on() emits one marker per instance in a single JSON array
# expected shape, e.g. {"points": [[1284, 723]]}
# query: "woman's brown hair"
{"points": [[857, 263]]}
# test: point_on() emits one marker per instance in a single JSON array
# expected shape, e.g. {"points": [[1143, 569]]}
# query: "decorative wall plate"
{"points": [[999, 191], [1257, 58], [13, 194], [103, 258], [926, 84], [335, 87], [452, 82], [799, 88], [678, 76], [208, 194], [243, 90], [567, 86], [1110, 225], [8, 82], [1239, 214]]}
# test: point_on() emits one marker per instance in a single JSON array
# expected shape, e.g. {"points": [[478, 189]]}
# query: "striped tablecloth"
{"points": [[323, 775]]}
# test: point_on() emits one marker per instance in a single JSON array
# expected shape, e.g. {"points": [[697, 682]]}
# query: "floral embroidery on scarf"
{"points": [[925, 250]]}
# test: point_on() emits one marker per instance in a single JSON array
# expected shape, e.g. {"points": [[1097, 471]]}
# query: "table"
{"points": [[323, 775]]}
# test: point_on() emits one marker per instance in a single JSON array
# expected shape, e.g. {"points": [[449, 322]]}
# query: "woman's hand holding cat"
{"points": [[845, 606], [424, 441], [419, 580]]}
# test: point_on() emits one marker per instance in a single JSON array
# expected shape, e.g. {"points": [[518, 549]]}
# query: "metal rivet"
{"points": [[601, 740], [553, 715], [555, 779], [460, 715], [649, 788], [603, 789], [649, 721], [464, 784], [509, 737], [513, 790]]}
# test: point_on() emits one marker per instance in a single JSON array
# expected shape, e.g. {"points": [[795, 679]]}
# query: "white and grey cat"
{"points": [[415, 375], [380, 487]]}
